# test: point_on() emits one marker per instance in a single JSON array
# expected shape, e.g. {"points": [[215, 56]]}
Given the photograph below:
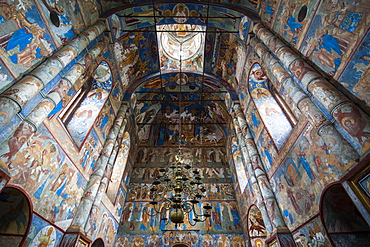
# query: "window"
{"points": [[87, 104], [274, 118], [239, 165]]}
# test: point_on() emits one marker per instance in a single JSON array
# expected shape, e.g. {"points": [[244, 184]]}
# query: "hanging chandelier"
{"points": [[176, 194]]}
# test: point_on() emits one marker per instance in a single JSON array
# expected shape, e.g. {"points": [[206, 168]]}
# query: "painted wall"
{"points": [[223, 226]]}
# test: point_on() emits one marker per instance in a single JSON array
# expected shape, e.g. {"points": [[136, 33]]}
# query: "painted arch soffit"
{"points": [[148, 40]]}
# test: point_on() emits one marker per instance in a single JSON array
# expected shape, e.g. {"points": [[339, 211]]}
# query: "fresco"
{"points": [[239, 165], [229, 58], [269, 110], [291, 23], [43, 170], [42, 234], [188, 237], [267, 10], [116, 95], [26, 40], [333, 34], [311, 234], [207, 131], [119, 167], [107, 229], [355, 77], [299, 180], [135, 56], [199, 157], [219, 191], [267, 150], [5, 78], [181, 48], [91, 11], [83, 116], [67, 18], [104, 121], [256, 226]]}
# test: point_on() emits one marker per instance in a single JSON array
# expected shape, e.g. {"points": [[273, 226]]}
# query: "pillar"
{"points": [[28, 126], [265, 189], [346, 114], [18, 95], [296, 98], [91, 190], [247, 162]]}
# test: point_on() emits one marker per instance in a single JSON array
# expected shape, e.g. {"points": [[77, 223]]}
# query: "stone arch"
{"points": [[342, 220], [180, 245], [98, 243], [15, 216]]}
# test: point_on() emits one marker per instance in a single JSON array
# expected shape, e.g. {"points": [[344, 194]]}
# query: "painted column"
{"points": [[247, 162], [108, 171], [257, 167], [17, 96], [351, 118], [29, 125], [296, 98], [91, 190]]}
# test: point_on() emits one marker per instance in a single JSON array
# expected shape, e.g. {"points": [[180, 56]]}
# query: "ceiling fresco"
{"points": [[177, 62]]}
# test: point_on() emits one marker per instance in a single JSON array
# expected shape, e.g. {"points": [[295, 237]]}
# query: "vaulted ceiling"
{"points": [[178, 63]]}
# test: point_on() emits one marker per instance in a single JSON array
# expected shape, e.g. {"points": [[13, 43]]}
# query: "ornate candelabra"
{"points": [[177, 194]]}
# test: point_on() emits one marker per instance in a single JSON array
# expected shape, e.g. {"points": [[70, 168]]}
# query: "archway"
{"points": [[343, 222], [98, 243], [15, 216], [180, 245]]}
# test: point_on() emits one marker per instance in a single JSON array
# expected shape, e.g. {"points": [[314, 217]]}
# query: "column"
{"points": [[91, 190], [258, 169], [350, 117], [247, 162], [104, 182], [13, 99], [29, 124], [296, 98]]}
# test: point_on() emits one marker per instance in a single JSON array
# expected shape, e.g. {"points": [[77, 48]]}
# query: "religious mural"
{"points": [[43, 234], [54, 167], [84, 115], [292, 18], [256, 226], [302, 174], [330, 50], [311, 234]]}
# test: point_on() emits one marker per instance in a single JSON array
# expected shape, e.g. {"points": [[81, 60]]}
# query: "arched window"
{"points": [[118, 168], [15, 215], [87, 104], [239, 165], [274, 118]]}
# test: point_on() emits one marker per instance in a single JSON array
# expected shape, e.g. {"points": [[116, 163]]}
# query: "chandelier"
{"points": [[177, 194]]}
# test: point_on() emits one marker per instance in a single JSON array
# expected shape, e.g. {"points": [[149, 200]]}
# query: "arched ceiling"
{"points": [[177, 63]]}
